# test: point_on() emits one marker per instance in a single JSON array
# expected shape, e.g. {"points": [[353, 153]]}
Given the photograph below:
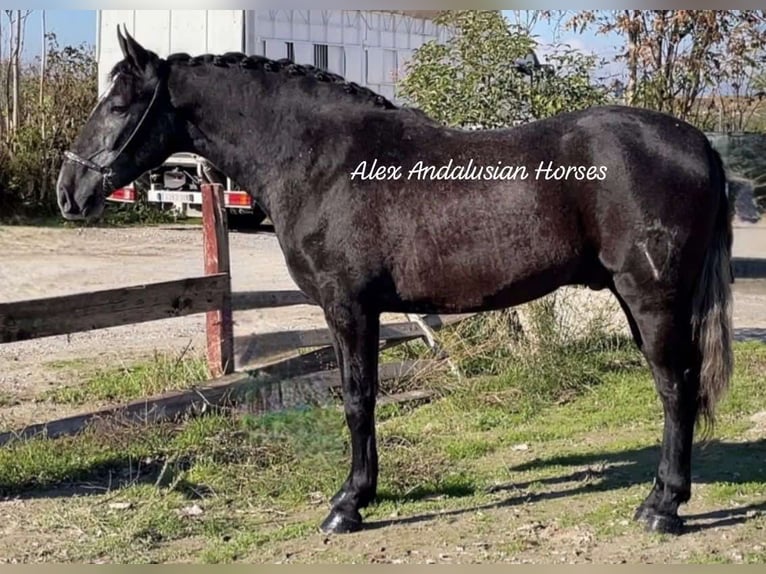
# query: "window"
{"points": [[320, 56], [263, 47], [290, 51]]}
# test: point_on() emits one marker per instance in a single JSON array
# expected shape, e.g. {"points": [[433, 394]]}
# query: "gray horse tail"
{"points": [[712, 304]]}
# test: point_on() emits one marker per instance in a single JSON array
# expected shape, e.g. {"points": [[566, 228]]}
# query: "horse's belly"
{"points": [[464, 281]]}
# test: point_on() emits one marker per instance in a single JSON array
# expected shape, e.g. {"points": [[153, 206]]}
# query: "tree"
{"points": [[695, 64], [27, 176], [525, 20], [472, 80], [16, 70], [17, 21], [43, 58], [7, 105]]}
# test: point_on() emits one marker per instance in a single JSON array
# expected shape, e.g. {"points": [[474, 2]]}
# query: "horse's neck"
{"points": [[258, 145]]}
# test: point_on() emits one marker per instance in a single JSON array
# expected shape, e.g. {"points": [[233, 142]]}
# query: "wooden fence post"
{"points": [[219, 325]]}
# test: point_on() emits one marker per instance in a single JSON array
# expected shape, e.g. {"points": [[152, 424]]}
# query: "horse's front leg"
{"points": [[356, 333]]}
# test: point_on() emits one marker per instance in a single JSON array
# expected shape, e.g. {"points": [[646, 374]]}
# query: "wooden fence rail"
{"points": [[244, 300], [249, 348], [749, 267], [67, 314]]}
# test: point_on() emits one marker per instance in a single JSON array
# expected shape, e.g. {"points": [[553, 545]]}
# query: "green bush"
{"points": [[30, 155], [471, 80]]}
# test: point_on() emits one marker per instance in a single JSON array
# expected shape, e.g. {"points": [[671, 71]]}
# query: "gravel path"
{"points": [[44, 262]]}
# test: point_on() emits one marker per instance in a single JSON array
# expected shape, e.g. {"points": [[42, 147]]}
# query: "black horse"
{"points": [[378, 208]]}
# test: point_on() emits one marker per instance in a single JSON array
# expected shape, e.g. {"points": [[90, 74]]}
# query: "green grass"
{"points": [[140, 379], [573, 428], [7, 399], [728, 492]]}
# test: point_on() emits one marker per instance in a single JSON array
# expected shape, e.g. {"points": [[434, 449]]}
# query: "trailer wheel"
{"points": [[247, 220]]}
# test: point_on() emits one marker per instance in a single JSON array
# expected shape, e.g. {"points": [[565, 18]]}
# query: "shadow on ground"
{"points": [[750, 334], [110, 476], [715, 462]]}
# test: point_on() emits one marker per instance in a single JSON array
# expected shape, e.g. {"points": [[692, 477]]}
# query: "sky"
{"points": [[548, 33], [73, 27]]}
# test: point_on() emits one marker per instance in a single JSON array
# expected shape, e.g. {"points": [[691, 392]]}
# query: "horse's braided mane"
{"points": [[282, 66]]}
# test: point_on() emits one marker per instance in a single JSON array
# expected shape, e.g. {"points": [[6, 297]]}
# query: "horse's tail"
{"points": [[712, 302]]}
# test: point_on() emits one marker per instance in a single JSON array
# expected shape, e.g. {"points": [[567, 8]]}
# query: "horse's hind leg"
{"points": [[355, 333], [663, 321]]}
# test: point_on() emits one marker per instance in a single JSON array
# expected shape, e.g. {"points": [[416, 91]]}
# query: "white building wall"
{"points": [[367, 47], [167, 32]]}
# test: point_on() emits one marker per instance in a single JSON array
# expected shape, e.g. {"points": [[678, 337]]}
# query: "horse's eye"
{"points": [[118, 109]]}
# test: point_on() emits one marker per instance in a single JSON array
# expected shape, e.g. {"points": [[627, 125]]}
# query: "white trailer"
{"points": [[368, 47]]}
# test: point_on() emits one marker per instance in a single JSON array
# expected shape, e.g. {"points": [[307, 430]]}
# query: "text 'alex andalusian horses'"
{"points": [[456, 221]]}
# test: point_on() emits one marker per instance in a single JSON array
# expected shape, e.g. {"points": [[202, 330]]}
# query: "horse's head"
{"points": [[132, 129]]}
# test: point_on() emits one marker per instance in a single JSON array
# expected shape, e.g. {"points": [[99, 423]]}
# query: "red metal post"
{"points": [[219, 325]]}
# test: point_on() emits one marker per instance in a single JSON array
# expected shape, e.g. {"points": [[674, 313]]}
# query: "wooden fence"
{"points": [[299, 375]]}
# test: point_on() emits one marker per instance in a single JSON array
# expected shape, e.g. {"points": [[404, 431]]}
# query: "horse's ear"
{"points": [[123, 43], [134, 52]]}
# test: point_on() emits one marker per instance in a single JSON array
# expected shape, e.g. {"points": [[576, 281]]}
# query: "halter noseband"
{"points": [[106, 170]]}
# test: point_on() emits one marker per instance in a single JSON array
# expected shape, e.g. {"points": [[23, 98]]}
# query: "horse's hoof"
{"points": [[340, 523], [660, 523], [642, 514]]}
